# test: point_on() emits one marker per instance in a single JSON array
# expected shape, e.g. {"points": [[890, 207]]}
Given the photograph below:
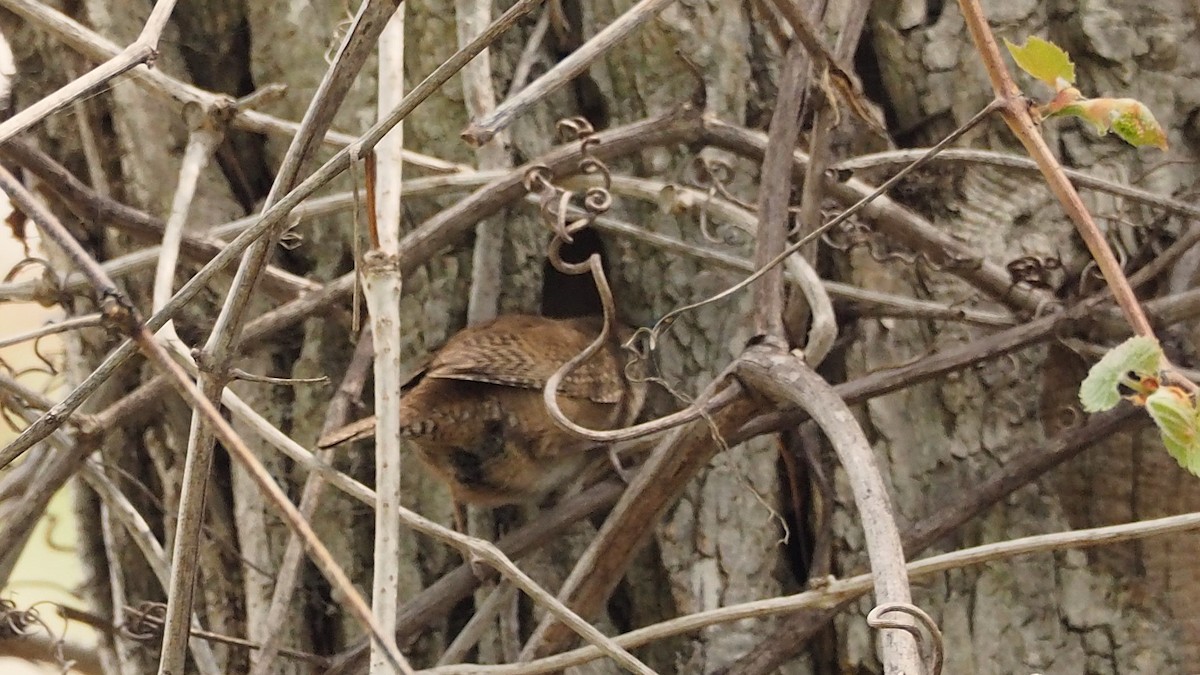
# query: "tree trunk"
{"points": [[1116, 609]]}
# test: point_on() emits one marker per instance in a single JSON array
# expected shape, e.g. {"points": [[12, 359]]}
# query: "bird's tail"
{"points": [[364, 428]]}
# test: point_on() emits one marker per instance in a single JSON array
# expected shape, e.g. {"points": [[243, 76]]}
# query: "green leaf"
{"points": [[1135, 124], [1044, 60], [1129, 118], [1175, 415], [1100, 389]]}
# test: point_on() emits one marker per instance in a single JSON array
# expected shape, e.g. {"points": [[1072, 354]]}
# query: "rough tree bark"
{"points": [[1123, 609]]}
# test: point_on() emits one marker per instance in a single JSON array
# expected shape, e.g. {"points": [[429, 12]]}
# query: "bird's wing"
{"points": [[524, 351]]}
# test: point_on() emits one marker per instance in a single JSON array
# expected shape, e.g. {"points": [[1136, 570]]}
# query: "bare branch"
{"points": [[143, 50], [482, 131], [117, 309], [288, 574], [471, 16], [784, 378], [484, 550], [435, 233], [222, 342], [382, 287], [839, 592], [774, 195], [1014, 108], [97, 48], [73, 323]]}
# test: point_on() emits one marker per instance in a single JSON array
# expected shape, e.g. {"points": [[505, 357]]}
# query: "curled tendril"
{"points": [[718, 174], [1070, 415], [711, 171], [554, 252], [52, 524], [27, 262], [852, 235], [594, 167], [11, 419], [1034, 271], [597, 201], [932, 645], [339, 34], [705, 232], [144, 622], [37, 351], [13, 622], [712, 176], [537, 180], [586, 143], [554, 205], [291, 240], [574, 128], [16, 622], [50, 289]]}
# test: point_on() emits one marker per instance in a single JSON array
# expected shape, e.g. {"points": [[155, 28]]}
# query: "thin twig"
{"points": [[487, 256], [436, 601], [152, 551], [482, 131], [73, 323], [840, 591], [118, 505], [118, 310], [483, 302], [90, 204], [222, 342], [868, 301], [143, 50], [870, 202], [829, 64], [1024, 465], [485, 551], [98, 49], [501, 595], [1015, 110], [245, 456], [774, 196], [203, 140], [83, 656], [106, 626], [287, 574], [530, 53], [674, 461], [823, 332], [905, 226], [437, 232], [1011, 161]]}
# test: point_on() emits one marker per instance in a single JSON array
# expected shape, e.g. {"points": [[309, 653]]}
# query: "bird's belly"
{"points": [[482, 475], [497, 445]]}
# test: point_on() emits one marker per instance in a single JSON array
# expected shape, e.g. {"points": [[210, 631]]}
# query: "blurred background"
{"points": [[49, 570]]}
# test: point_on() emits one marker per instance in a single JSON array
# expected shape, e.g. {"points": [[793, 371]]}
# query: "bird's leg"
{"points": [[460, 515]]}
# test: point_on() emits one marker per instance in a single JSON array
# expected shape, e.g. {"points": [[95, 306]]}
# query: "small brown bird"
{"points": [[477, 419]]}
